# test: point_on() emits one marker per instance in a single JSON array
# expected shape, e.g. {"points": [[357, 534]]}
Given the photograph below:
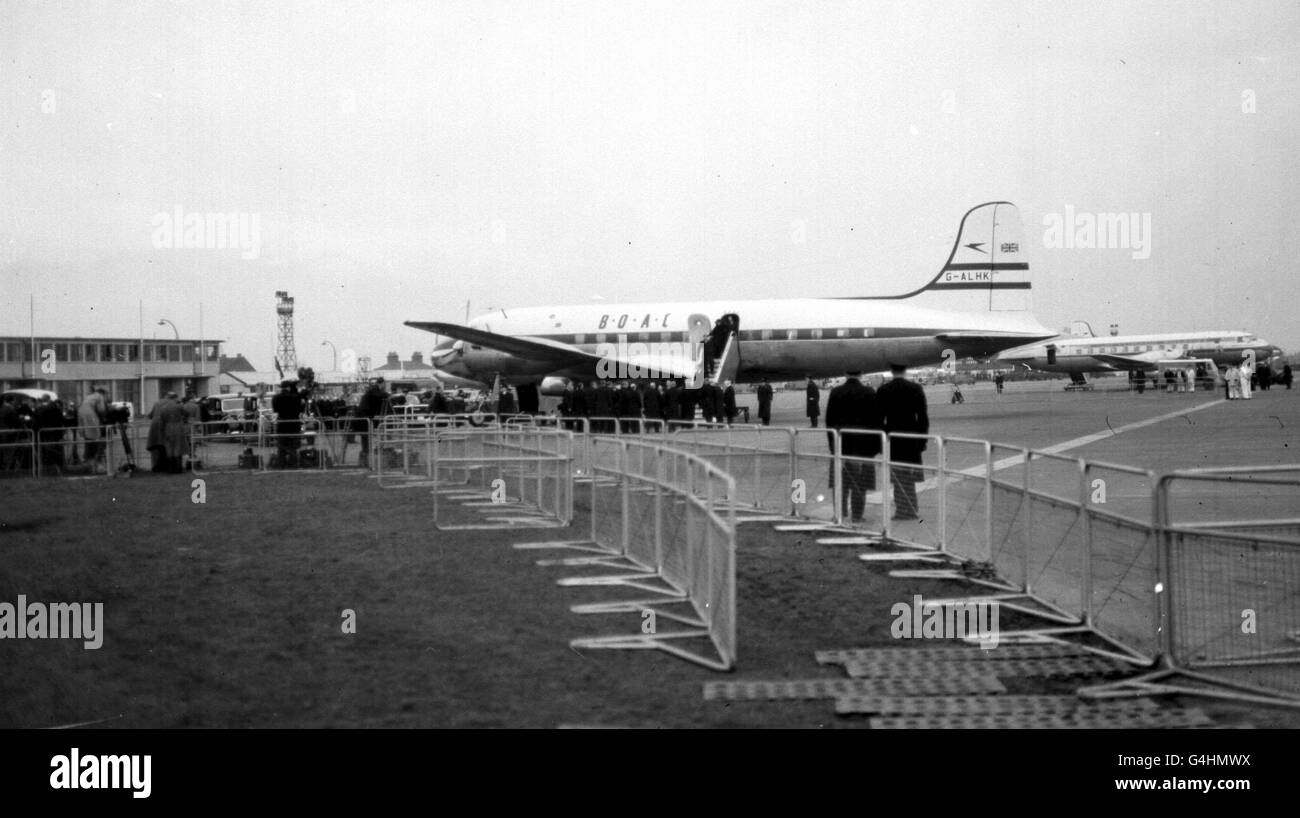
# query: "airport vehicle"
{"points": [[1145, 353], [239, 413], [976, 305], [30, 396]]}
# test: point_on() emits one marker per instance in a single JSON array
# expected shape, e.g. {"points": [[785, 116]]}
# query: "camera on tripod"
{"points": [[118, 412]]}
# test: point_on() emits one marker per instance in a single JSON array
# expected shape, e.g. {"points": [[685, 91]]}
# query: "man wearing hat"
{"points": [[813, 402], [902, 403], [288, 414], [854, 408], [764, 395], [373, 404]]}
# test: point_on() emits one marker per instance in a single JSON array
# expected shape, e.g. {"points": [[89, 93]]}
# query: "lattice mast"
{"points": [[285, 355]]}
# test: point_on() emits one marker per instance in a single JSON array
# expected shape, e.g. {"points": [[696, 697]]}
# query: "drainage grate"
{"points": [[984, 705], [953, 654], [838, 688], [1100, 720], [1048, 666]]}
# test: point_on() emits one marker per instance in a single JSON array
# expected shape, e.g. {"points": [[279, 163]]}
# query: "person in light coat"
{"points": [[90, 417]]}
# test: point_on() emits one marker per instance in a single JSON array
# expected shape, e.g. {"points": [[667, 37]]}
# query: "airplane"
{"points": [[976, 305], [1116, 353]]}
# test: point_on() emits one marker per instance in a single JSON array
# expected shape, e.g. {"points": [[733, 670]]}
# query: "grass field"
{"points": [[229, 613]]}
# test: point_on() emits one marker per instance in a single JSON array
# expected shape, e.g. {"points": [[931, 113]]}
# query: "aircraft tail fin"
{"points": [[987, 268]]}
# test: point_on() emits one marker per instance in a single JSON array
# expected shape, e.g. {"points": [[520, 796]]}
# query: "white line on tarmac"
{"points": [[1015, 460]]}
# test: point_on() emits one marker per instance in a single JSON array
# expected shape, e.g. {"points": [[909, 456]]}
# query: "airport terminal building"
{"points": [[130, 369]]}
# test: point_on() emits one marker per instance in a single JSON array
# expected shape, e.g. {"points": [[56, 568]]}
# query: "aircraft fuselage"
{"points": [[782, 339]]}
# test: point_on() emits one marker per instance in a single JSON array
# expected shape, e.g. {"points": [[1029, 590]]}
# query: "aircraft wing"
{"points": [[1143, 361], [560, 356], [980, 344], [534, 349]]}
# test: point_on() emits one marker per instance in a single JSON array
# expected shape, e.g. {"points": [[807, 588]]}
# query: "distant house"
{"points": [[236, 363], [395, 369], [239, 375]]}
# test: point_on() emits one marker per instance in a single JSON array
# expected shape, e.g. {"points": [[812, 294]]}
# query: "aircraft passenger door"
{"points": [[726, 348]]}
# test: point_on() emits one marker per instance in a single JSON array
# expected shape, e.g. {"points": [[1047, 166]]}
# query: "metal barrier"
{"points": [[498, 478], [758, 460], [967, 472], [263, 445], [1032, 529], [18, 453], [814, 463], [1122, 571], [1229, 587], [660, 516]]}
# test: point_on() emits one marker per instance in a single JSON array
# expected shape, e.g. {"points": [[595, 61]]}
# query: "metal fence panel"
{"points": [[967, 498], [1124, 575]]}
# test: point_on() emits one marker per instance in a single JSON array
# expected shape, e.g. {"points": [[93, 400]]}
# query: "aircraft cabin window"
{"points": [[791, 334], [580, 338], [600, 337], [665, 337], [817, 333], [643, 337], [767, 335], [868, 332], [841, 333]]}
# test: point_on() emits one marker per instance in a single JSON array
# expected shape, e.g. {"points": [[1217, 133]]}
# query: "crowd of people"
{"points": [[1240, 381], [74, 436], [71, 433], [607, 403], [58, 427]]}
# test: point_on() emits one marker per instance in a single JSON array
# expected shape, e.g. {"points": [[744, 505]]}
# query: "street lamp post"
{"points": [[336, 355], [177, 333]]}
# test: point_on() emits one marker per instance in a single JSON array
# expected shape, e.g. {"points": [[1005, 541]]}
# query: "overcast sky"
{"points": [[399, 160]]}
